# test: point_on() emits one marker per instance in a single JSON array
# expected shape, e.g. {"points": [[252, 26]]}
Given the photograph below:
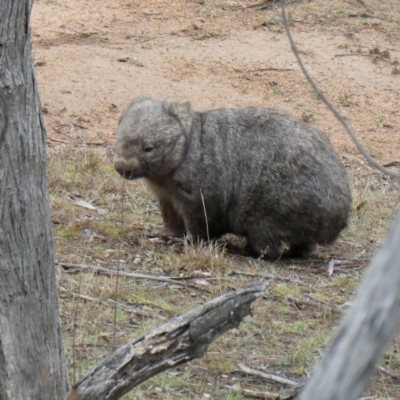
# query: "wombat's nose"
{"points": [[128, 169], [121, 166]]}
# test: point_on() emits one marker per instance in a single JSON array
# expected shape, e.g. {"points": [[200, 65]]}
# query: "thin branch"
{"points": [[111, 272], [387, 372], [267, 376], [315, 304], [253, 393], [264, 276], [75, 327], [353, 137], [180, 340], [118, 265], [109, 303]]}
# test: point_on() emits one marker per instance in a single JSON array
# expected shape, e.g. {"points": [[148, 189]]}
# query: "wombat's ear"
{"points": [[135, 101], [181, 110]]}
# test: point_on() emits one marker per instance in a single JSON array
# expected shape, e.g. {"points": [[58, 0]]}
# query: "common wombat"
{"points": [[253, 172]]}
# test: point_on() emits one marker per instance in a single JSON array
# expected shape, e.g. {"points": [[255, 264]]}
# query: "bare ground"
{"points": [[93, 57]]}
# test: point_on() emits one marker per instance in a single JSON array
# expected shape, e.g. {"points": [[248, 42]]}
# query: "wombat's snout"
{"points": [[128, 169]]}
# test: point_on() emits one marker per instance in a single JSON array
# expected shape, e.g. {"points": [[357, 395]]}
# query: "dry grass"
{"points": [[282, 336]]}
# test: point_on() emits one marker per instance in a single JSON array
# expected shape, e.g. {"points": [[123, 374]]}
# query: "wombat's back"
{"points": [[266, 174]]}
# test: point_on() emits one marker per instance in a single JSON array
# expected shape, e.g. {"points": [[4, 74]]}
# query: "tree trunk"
{"points": [[32, 364], [366, 330]]}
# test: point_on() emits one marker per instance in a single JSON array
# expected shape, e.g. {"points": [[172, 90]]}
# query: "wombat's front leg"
{"points": [[200, 227], [262, 242], [173, 222]]}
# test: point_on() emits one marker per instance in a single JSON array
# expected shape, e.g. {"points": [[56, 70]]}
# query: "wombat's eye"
{"points": [[148, 149]]}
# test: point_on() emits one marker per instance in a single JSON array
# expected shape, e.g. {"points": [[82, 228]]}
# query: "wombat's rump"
{"points": [[254, 172]]}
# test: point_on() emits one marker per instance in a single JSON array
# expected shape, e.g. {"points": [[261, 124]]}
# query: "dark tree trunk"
{"points": [[32, 364]]}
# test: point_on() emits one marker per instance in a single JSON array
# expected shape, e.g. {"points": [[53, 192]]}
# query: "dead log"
{"points": [[180, 340]]}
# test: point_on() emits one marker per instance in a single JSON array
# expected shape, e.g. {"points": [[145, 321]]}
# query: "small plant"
{"points": [[380, 122], [344, 99], [276, 89], [343, 11], [218, 35], [138, 63], [396, 71]]}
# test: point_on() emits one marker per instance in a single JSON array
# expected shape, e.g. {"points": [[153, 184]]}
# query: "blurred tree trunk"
{"points": [[32, 364]]}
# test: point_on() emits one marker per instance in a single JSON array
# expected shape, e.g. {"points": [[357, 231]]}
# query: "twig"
{"points": [[351, 54], [263, 69], [75, 319], [263, 276], [336, 113], [253, 393], [393, 163], [319, 301], [111, 272], [56, 140], [387, 372], [302, 302], [94, 143], [118, 266], [262, 4], [109, 303], [267, 376]]}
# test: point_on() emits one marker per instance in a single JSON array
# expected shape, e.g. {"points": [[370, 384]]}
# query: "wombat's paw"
{"points": [[300, 250], [172, 232], [269, 252]]}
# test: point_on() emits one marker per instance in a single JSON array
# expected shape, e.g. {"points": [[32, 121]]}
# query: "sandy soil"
{"points": [[93, 57]]}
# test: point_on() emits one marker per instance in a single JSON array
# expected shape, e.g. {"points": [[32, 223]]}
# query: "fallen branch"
{"points": [[180, 340], [351, 54], [267, 376], [264, 276], [108, 302], [111, 272], [315, 304], [253, 393]]}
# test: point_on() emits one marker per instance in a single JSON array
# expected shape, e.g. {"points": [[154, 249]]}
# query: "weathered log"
{"points": [[180, 340]]}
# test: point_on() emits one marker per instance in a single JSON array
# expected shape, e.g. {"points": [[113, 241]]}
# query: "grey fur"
{"points": [[261, 173]]}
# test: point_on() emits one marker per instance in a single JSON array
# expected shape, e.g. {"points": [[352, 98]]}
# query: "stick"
{"points": [[111, 272], [267, 376], [109, 303], [312, 304], [253, 393]]}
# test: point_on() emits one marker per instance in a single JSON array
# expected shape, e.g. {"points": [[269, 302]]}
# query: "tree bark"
{"points": [[366, 330], [178, 341], [32, 364]]}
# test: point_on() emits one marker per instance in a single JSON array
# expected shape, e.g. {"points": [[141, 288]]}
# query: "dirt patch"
{"points": [[92, 58]]}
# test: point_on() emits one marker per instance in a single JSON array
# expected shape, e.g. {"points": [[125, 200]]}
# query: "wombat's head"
{"points": [[151, 138]]}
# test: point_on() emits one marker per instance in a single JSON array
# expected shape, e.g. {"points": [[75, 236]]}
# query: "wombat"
{"points": [[254, 172]]}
